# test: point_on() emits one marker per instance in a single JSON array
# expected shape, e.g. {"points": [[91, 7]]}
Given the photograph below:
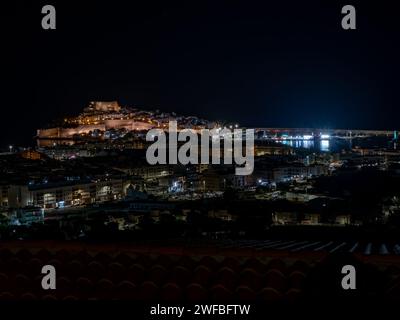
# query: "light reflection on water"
{"points": [[322, 145], [337, 145]]}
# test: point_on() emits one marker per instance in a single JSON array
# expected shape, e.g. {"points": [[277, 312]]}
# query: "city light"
{"points": [[325, 145], [163, 199]]}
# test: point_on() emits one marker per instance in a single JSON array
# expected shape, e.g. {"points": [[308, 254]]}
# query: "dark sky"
{"points": [[262, 63]]}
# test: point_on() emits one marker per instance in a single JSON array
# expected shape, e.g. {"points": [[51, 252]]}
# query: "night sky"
{"points": [[265, 63]]}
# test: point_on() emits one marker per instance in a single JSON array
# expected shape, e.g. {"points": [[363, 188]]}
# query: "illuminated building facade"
{"points": [[4, 195], [66, 194]]}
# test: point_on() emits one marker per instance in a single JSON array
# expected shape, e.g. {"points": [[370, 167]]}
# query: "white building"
{"points": [[66, 194]]}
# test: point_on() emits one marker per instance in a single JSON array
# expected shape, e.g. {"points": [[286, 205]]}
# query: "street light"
{"points": [[11, 147]]}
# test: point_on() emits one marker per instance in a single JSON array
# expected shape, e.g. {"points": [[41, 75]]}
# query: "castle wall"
{"points": [[68, 132], [128, 124]]}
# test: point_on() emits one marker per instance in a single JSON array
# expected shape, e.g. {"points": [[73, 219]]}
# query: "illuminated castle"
{"points": [[101, 106], [101, 116]]}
